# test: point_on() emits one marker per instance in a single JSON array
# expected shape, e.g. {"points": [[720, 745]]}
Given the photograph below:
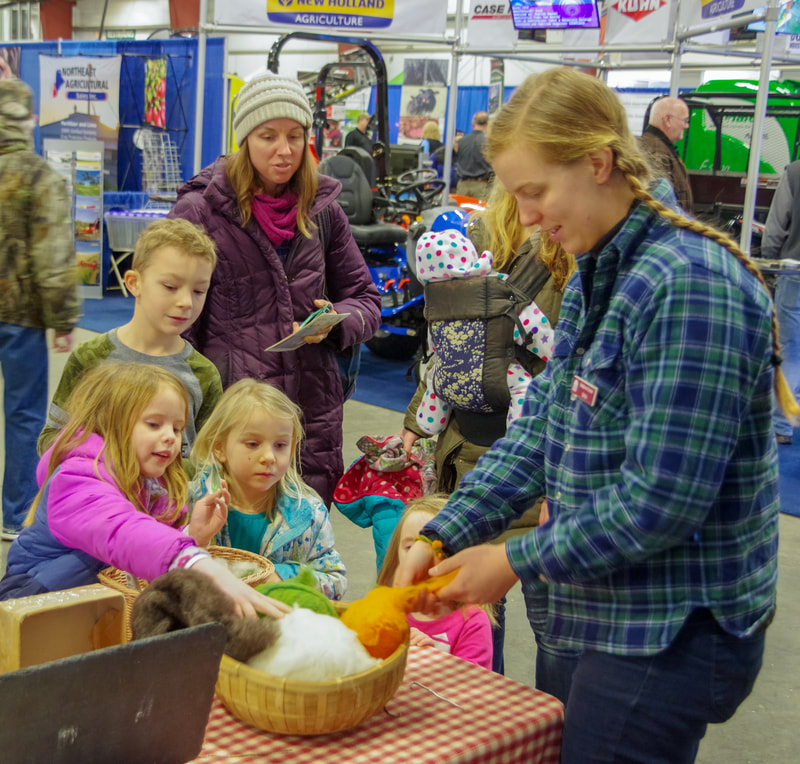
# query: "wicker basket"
{"points": [[129, 586], [263, 567], [286, 706]]}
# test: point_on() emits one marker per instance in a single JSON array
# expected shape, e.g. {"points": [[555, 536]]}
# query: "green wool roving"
{"points": [[301, 591]]}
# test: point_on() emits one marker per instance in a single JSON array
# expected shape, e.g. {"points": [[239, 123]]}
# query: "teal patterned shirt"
{"points": [[663, 489]]}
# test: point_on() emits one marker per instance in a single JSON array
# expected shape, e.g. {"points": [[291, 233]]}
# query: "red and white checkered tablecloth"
{"points": [[495, 720]]}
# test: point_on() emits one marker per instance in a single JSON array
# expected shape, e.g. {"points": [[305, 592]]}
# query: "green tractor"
{"points": [[716, 147]]}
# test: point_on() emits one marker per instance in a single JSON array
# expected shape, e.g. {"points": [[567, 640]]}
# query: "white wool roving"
{"points": [[313, 647]]}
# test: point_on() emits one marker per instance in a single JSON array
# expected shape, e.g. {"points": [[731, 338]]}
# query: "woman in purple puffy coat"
{"points": [[285, 249]]}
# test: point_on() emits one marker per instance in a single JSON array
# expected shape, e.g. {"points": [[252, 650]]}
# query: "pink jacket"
{"points": [[465, 633], [85, 523]]}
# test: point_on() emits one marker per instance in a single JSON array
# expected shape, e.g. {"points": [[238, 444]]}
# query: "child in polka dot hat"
{"points": [[454, 374]]}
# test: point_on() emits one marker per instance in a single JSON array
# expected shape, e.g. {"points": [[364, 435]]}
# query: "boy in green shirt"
{"points": [[169, 279]]}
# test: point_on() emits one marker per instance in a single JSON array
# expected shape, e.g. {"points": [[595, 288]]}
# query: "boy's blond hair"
{"points": [[188, 238]]}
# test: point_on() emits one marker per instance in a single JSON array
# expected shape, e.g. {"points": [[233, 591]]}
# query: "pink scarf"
{"points": [[277, 216]]}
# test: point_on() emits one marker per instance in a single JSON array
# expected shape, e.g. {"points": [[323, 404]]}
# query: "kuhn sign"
{"points": [[638, 9]]}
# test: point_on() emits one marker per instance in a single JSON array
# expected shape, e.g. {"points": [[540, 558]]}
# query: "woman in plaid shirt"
{"points": [[650, 432]]}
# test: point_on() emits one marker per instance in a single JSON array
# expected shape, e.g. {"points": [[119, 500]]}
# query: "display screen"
{"points": [[788, 19], [555, 14]]}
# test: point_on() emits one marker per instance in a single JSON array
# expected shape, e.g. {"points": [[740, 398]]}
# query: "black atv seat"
{"points": [[364, 160], [358, 202]]}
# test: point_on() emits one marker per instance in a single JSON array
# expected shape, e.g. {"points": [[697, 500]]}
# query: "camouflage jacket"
{"points": [[38, 284]]}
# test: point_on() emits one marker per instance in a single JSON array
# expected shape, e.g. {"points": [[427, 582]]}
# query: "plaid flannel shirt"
{"points": [[663, 490]]}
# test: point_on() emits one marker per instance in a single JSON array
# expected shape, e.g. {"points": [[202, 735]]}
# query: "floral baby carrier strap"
{"points": [[472, 324]]}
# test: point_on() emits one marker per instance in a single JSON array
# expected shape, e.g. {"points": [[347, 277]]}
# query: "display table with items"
{"points": [[123, 228], [446, 710]]}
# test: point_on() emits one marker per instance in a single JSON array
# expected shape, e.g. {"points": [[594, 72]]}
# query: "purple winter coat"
{"points": [[254, 299]]}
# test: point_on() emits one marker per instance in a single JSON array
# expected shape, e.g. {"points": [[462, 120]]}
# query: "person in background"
{"points": [[169, 279], [253, 438], [359, 136], [543, 276], [285, 249], [669, 118], [431, 138], [112, 491], [474, 172], [438, 159], [333, 135], [781, 239], [650, 432], [39, 292], [461, 630]]}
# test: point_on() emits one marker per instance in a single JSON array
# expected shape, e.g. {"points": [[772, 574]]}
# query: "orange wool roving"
{"points": [[379, 619]]}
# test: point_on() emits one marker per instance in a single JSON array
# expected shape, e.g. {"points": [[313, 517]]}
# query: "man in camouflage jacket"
{"points": [[38, 291]]}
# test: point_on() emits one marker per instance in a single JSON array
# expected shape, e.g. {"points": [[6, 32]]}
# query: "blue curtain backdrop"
{"points": [[181, 55]]}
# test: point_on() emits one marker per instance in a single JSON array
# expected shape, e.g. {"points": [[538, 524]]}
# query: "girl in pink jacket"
{"points": [[113, 492], [465, 630]]}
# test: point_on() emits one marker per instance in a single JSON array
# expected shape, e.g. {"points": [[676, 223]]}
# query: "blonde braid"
{"points": [[783, 391], [559, 262]]}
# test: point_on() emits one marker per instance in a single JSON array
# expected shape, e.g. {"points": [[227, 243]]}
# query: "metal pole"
{"points": [[452, 101], [675, 73], [756, 137], [200, 86]]}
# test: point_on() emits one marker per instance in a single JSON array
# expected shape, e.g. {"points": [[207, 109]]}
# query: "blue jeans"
{"points": [[499, 637], [554, 665], [656, 708], [23, 358], [787, 308]]}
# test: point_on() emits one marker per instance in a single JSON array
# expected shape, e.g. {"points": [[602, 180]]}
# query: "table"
{"points": [[475, 716], [778, 267]]}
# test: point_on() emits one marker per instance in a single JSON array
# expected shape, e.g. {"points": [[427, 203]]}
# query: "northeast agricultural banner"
{"points": [[80, 102]]}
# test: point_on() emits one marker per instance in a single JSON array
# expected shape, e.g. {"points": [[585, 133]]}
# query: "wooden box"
{"points": [[55, 625]]}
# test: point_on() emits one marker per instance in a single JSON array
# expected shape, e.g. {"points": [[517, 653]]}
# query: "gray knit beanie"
{"points": [[269, 96]]}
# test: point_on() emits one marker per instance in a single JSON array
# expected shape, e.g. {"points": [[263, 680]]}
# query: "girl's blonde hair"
{"points": [[431, 504], [246, 185], [565, 115], [232, 412], [108, 401], [504, 234]]}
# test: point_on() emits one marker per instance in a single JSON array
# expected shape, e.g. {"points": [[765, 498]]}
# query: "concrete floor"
{"points": [[766, 728]]}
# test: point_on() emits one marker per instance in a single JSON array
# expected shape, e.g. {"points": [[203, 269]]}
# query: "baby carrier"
{"points": [[471, 323]]}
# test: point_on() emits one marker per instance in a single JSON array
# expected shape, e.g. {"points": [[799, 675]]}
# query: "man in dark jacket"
{"points": [[782, 240], [474, 172], [38, 291], [669, 118], [359, 136]]}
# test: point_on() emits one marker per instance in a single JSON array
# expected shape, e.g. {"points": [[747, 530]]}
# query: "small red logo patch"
{"points": [[584, 390]]}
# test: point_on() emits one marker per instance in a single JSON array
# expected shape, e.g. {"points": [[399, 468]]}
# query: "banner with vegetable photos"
{"points": [[79, 101], [155, 92]]}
